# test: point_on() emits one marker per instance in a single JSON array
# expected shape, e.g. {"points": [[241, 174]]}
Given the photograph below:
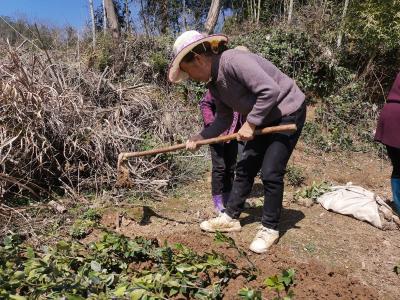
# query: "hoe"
{"points": [[123, 171]]}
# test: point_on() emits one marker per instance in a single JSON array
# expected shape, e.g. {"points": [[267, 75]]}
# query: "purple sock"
{"points": [[218, 202]]}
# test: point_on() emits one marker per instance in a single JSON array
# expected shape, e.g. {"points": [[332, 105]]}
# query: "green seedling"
{"points": [[310, 247], [282, 283], [249, 294]]}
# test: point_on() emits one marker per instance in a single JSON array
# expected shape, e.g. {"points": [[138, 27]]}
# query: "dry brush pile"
{"points": [[63, 124]]}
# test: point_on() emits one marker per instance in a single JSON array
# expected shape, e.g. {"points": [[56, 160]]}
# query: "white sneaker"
{"points": [[223, 223], [264, 239]]}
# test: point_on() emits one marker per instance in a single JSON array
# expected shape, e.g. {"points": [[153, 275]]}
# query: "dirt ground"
{"points": [[335, 256]]}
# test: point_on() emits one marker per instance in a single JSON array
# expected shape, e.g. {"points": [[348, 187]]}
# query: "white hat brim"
{"points": [[175, 74]]}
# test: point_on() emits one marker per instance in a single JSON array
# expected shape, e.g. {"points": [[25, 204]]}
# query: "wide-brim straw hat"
{"points": [[183, 45]]}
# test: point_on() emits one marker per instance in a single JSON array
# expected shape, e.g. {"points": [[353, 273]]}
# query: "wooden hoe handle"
{"points": [[224, 138]]}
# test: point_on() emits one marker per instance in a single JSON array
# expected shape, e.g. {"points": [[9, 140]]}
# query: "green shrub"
{"points": [[82, 228], [348, 117], [91, 214], [104, 52], [374, 26], [295, 175], [312, 134], [291, 51], [159, 63]]}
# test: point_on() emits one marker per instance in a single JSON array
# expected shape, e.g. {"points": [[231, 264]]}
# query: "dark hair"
{"points": [[206, 49]]}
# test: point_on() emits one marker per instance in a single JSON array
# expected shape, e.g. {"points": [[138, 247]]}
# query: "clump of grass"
{"points": [[295, 175]]}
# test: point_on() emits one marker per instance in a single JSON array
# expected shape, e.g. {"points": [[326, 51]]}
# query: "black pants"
{"points": [[394, 155], [223, 157], [270, 153]]}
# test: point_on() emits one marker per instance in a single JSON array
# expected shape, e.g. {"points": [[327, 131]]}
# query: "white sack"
{"points": [[357, 202]]}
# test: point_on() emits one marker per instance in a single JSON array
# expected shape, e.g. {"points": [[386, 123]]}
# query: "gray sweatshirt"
{"points": [[251, 85]]}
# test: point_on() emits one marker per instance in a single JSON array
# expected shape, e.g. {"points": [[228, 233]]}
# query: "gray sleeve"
{"points": [[223, 120], [250, 74]]}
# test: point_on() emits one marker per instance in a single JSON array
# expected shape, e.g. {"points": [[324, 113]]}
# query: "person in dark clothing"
{"points": [[223, 155], [387, 133], [251, 85]]}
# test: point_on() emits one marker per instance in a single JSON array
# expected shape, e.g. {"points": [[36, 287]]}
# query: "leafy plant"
{"points": [[375, 25], [345, 116], [313, 134], [113, 267], [85, 225], [159, 62], [290, 50], [313, 192], [82, 228], [310, 247], [280, 283], [249, 294], [91, 214]]}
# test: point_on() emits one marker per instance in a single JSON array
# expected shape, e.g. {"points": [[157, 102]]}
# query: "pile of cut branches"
{"points": [[63, 125]]}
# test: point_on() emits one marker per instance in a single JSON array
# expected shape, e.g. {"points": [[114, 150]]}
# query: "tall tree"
{"points": [[164, 16], [184, 15], [145, 21], [104, 17], [258, 11], [290, 11], [212, 17], [254, 10], [91, 8], [127, 16], [112, 18], [340, 35]]}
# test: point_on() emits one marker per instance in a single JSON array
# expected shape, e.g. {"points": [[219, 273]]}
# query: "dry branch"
{"points": [[61, 127]]}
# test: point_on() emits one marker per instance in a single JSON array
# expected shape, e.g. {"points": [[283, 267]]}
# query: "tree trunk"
{"points": [[145, 24], [249, 9], [212, 17], [184, 15], [164, 16], [259, 10], [127, 17], [104, 18], [290, 12], [255, 10], [340, 35], [112, 19], [252, 10], [93, 23]]}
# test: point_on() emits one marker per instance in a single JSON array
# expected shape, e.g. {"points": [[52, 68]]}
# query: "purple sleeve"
{"points": [[223, 119], [207, 108], [251, 75]]}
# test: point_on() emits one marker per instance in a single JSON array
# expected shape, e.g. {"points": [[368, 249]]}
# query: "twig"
{"points": [[28, 222], [54, 73]]}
